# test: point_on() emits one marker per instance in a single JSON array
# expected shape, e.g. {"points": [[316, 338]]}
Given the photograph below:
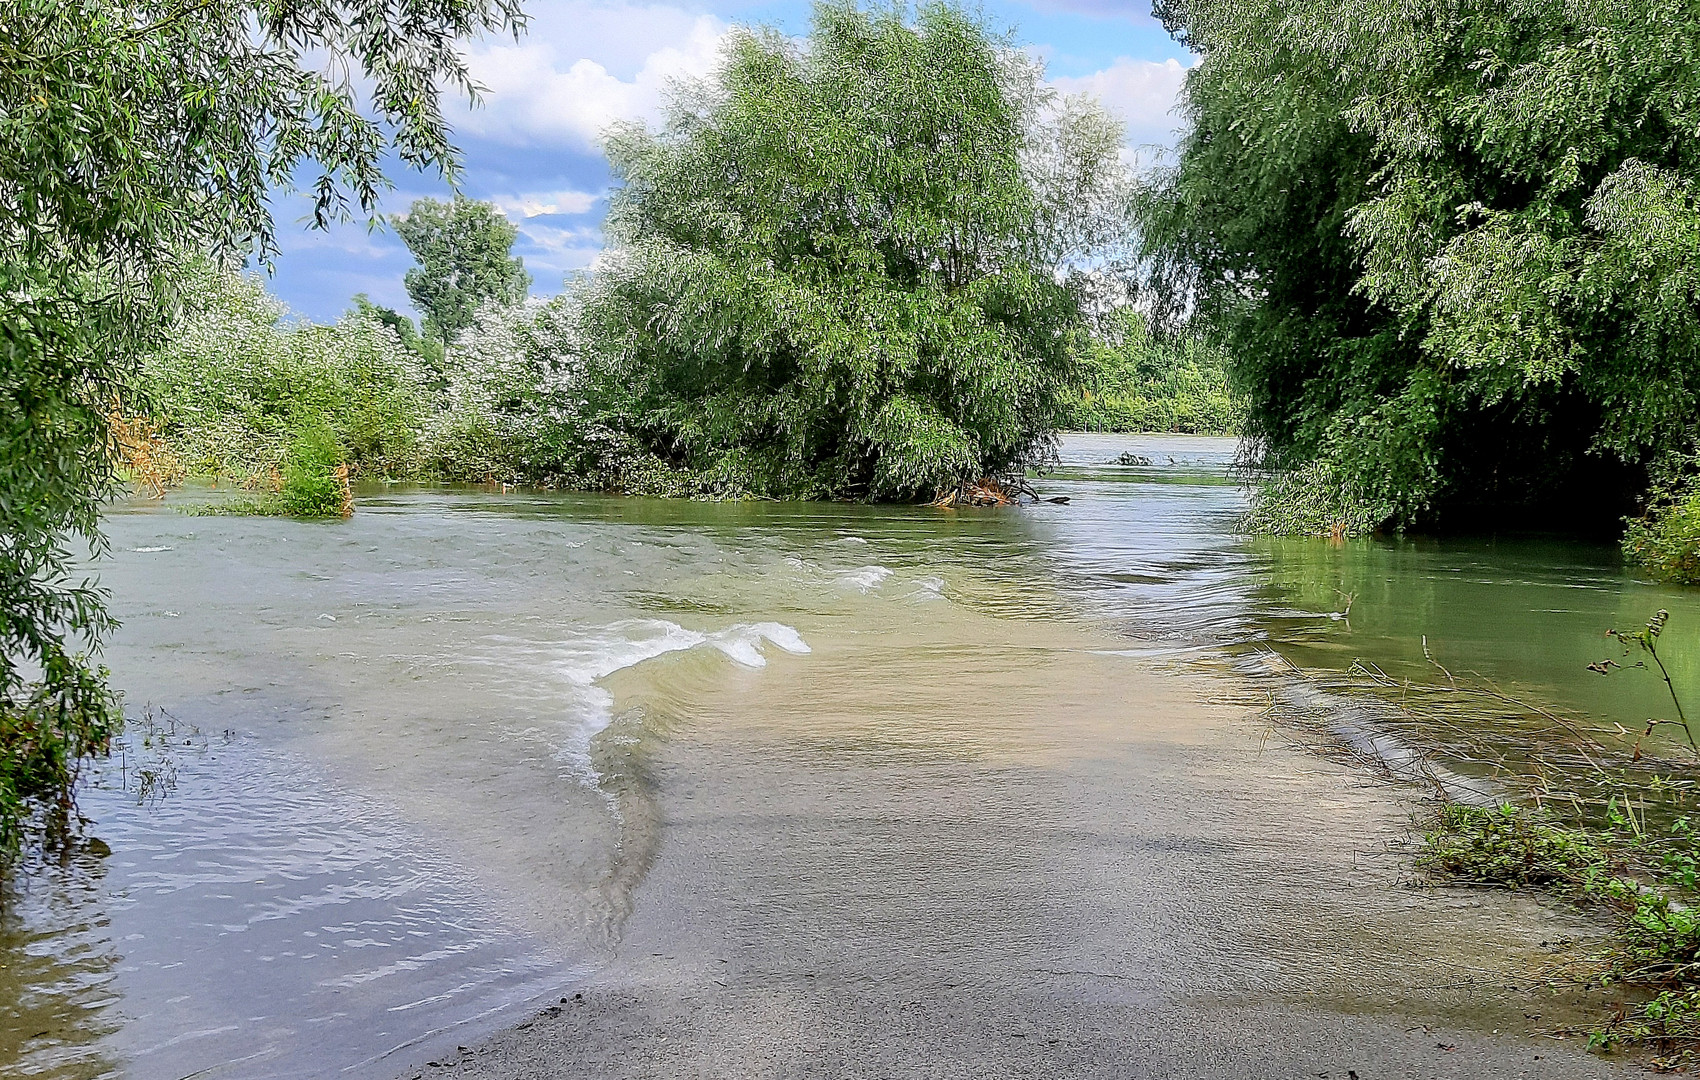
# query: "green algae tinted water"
{"points": [[388, 781]]}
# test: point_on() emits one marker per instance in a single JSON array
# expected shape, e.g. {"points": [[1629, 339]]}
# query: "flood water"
{"points": [[385, 784]]}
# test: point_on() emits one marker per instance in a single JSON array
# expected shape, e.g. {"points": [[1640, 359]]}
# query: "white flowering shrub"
{"points": [[521, 406], [238, 380], [510, 403]]}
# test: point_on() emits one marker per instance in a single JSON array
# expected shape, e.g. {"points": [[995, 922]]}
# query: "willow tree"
{"points": [[134, 133], [1451, 242], [840, 269]]}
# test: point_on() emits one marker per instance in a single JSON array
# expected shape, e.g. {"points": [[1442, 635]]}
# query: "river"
{"points": [[387, 783]]}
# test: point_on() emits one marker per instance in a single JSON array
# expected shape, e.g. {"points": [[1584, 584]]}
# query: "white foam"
{"points": [[594, 656], [928, 588], [151, 550], [866, 578], [743, 643]]}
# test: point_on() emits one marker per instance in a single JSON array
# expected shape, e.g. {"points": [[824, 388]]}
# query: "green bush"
{"points": [[1666, 540], [315, 485], [1509, 846], [839, 269], [235, 384]]}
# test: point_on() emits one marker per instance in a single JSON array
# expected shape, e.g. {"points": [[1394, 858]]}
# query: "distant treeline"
{"points": [[1130, 380]]}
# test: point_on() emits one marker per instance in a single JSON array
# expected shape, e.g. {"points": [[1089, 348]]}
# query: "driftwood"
{"points": [[991, 491]]}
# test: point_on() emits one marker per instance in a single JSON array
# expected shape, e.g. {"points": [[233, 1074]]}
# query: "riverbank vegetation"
{"points": [[1644, 874], [1596, 815], [136, 134], [1131, 380], [1448, 249]]}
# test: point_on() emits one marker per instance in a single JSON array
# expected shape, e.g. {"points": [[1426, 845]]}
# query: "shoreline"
{"points": [[1083, 867]]}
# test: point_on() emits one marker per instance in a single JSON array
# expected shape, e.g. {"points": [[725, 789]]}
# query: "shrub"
{"points": [[837, 271], [315, 480], [45, 736], [513, 407], [1666, 539], [1317, 499], [1509, 846], [235, 384]]}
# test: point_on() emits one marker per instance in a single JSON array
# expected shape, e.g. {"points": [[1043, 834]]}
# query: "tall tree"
{"points": [[465, 253], [134, 133], [1452, 241], [841, 267]]}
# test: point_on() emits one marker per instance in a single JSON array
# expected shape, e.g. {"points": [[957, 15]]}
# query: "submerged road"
{"points": [[1018, 854]]}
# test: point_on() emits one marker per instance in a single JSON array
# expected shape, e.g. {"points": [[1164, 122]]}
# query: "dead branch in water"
{"points": [[990, 491]]}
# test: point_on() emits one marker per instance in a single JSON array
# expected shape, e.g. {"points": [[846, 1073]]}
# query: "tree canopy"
{"points": [[840, 267], [465, 253], [134, 133], [1451, 244]]}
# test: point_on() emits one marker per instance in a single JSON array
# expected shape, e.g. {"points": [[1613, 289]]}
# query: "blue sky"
{"points": [[532, 147]]}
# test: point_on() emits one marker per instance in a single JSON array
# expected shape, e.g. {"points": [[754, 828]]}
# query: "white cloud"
{"points": [[1142, 92], [545, 90], [537, 203], [559, 249], [350, 239]]}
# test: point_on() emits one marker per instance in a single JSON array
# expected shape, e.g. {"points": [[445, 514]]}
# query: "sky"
{"points": [[532, 147]]}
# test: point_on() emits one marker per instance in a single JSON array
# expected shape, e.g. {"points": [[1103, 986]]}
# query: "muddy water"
{"points": [[389, 781]]}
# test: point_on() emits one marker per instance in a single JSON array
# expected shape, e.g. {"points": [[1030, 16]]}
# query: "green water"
{"points": [[1528, 613]]}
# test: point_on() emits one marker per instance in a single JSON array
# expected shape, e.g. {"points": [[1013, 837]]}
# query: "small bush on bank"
{"points": [[1512, 847], [1666, 540]]}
